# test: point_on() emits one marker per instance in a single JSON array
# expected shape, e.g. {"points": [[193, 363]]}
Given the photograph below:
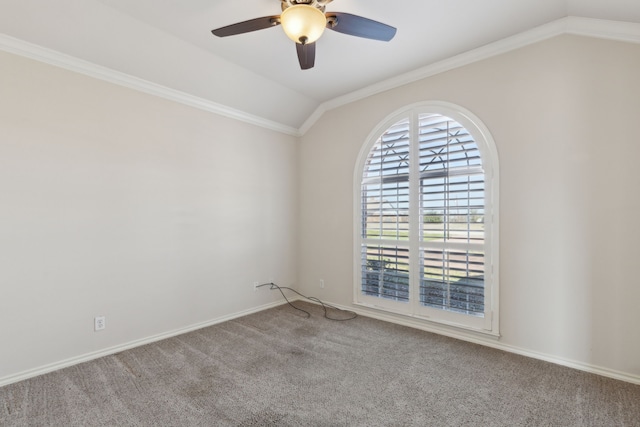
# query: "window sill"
{"points": [[424, 323]]}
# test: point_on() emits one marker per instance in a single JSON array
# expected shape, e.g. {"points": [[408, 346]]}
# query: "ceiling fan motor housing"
{"points": [[320, 4]]}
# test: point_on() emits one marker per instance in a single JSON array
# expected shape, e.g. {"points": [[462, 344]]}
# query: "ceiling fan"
{"points": [[304, 22]]}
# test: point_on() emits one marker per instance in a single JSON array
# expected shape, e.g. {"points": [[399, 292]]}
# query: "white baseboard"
{"points": [[413, 323], [126, 346], [493, 343]]}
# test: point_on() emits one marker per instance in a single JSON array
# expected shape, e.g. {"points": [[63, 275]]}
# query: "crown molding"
{"points": [[588, 27], [598, 28], [29, 50]]}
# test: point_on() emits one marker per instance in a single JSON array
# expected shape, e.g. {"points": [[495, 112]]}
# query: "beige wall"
{"points": [[160, 216], [117, 203], [564, 116]]}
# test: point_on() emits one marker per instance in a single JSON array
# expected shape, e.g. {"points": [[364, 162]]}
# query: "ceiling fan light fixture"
{"points": [[303, 23]]}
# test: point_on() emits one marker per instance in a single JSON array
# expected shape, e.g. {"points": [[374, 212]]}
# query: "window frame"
{"points": [[489, 324]]}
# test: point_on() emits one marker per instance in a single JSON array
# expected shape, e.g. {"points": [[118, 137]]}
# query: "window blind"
{"points": [[385, 215], [451, 195], [452, 217]]}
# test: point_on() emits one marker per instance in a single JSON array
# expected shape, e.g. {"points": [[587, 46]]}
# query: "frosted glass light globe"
{"points": [[303, 23]]}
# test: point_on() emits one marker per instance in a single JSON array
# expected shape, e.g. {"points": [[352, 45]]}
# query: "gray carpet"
{"points": [[276, 368]]}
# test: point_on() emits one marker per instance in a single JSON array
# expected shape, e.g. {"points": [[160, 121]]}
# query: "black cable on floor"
{"points": [[352, 314]]}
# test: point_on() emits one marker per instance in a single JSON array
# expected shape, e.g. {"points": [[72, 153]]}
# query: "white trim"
{"points": [[598, 28], [129, 345], [490, 324], [423, 325], [58, 59], [488, 341], [313, 118]]}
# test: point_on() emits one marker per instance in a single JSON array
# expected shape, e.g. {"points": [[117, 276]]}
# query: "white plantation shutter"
{"points": [[385, 272], [452, 213], [385, 185], [422, 240], [385, 216]]}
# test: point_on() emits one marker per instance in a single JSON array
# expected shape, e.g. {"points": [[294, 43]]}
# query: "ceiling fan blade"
{"points": [[306, 55], [355, 25], [247, 26]]}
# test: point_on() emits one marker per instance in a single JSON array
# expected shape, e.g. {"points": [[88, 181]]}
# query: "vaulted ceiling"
{"points": [[169, 43]]}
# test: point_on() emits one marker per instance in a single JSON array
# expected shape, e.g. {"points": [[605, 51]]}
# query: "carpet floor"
{"points": [[277, 368]]}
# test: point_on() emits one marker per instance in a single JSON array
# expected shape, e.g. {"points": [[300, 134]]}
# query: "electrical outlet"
{"points": [[99, 323], [255, 286], [322, 283]]}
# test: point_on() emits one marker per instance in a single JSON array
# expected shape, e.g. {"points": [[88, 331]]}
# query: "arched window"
{"points": [[427, 235]]}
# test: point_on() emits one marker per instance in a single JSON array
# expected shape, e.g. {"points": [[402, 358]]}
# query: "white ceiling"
{"points": [[169, 42]]}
